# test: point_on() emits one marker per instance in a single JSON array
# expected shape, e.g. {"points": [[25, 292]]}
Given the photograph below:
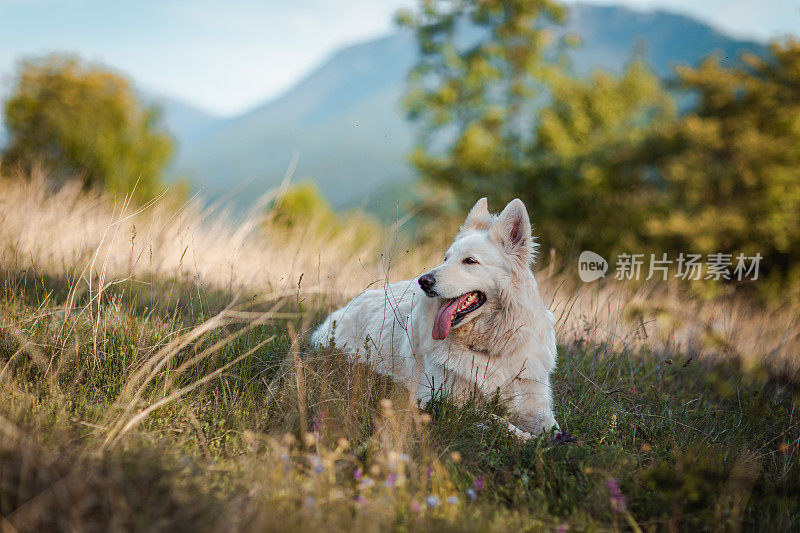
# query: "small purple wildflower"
{"points": [[366, 483], [429, 472], [361, 499], [563, 528], [452, 500], [562, 438], [391, 479], [617, 498], [478, 485], [358, 474], [432, 501], [471, 494], [415, 506], [318, 422]]}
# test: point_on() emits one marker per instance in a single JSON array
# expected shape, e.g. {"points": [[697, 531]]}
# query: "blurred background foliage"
{"points": [[302, 207], [706, 162], [84, 121], [729, 169]]}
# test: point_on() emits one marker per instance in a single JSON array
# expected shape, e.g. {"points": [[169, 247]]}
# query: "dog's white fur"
{"points": [[506, 345]]}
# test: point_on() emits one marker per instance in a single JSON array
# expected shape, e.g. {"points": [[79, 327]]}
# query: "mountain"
{"points": [[611, 35], [345, 121]]}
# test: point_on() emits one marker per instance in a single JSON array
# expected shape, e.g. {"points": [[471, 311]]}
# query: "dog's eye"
{"points": [[470, 261]]}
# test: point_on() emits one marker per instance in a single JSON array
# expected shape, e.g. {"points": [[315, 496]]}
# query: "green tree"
{"points": [[605, 162], [588, 177], [482, 65], [731, 167], [84, 121], [502, 118]]}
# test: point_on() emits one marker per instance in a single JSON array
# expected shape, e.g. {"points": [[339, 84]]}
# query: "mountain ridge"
{"points": [[344, 117]]}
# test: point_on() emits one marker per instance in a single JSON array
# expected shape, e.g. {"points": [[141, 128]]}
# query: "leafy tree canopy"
{"points": [[606, 163], [501, 117], [731, 167], [82, 120], [482, 65]]}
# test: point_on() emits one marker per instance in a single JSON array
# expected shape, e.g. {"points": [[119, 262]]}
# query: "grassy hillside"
{"points": [[156, 376]]}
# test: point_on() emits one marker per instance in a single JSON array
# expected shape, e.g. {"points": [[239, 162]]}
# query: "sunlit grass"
{"points": [[181, 393]]}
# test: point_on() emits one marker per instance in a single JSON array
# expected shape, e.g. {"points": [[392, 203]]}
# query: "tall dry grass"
{"points": [[92, 386], [668, 318], [95, 236], [99, 240]]}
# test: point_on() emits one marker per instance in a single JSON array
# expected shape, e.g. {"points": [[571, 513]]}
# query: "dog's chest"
{"points": [[490, 334], [474, 336]]}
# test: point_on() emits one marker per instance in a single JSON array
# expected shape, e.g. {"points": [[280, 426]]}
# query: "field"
{"points": [[156, 375]]}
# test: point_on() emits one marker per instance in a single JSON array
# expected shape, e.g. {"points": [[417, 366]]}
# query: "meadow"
{"points": [[156, 375]]}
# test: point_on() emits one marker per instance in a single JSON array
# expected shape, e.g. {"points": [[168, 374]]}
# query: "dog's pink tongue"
{"points": [[444, 319]]}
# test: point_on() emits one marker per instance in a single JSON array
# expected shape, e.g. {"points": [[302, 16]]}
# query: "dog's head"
{"points": [[488, 255]]}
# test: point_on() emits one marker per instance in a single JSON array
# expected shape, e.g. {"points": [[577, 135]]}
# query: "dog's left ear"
{"points": [[478, 218], [513, 232]]}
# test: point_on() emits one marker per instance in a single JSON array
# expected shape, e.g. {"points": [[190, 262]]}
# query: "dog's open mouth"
{"points": [[454, 310]]}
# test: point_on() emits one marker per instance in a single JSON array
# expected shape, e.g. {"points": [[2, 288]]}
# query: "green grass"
{"points": [[286, 438]]}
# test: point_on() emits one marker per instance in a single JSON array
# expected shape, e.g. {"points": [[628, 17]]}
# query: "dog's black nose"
{"points": [[426, 283]]}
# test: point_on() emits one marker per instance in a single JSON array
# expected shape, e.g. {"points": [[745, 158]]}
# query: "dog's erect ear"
{"points": [[513, 232], [478, 218]]}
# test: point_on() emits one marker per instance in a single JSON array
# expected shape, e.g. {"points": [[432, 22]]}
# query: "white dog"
{"points": [[476, 320]]}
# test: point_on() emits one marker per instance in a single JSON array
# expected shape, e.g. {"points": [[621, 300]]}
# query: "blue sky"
{"points": [[228, 56]]}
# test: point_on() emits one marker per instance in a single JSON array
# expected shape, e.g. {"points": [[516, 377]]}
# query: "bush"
{"points": [[303, 207]]}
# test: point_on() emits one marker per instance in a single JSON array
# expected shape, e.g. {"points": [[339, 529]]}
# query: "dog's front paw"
{"points": [[517, 432], [539, 423], [520, 434]]}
